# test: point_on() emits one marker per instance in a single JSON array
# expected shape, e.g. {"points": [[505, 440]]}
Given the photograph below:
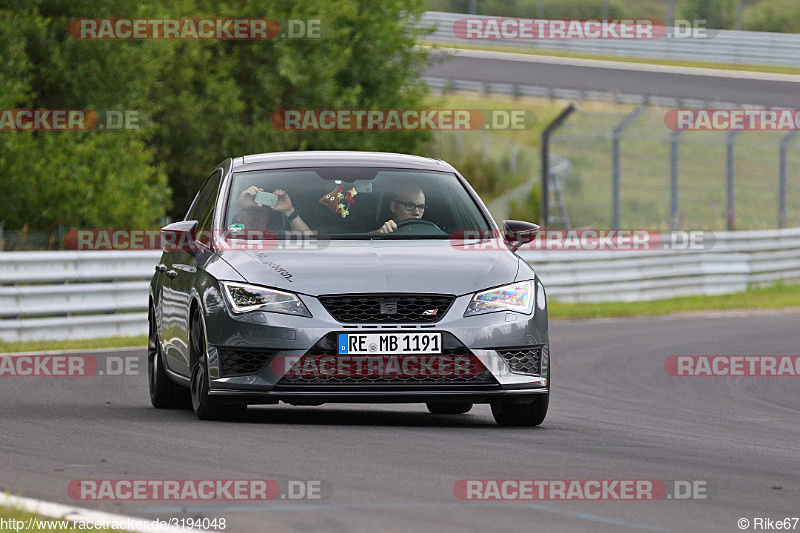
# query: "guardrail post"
{"points": [[512, 158], [731, 179], [674, 219], [545, 211], [2, 241], [615, 164], [781, 183]]}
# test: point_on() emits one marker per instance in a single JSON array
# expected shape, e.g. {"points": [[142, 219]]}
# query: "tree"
{"points": [[75, 178]]}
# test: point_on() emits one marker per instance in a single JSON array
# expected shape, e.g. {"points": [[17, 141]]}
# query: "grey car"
{"points": [[316, 277]]}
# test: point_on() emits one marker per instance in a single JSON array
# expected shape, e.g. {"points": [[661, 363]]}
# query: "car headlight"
{"points": [[515, 297], [245, 298]]}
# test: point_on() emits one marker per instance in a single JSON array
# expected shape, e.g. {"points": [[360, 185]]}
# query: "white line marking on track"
{"points": [[78, 514]]}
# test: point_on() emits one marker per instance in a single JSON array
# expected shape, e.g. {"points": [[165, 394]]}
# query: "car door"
{"points": [[178, 280]]}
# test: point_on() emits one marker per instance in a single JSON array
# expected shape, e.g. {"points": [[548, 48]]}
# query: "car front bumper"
{"points": [[484, 336]]}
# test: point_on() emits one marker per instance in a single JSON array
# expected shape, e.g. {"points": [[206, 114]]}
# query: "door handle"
{"points": [[161, 268], [171, 274]]}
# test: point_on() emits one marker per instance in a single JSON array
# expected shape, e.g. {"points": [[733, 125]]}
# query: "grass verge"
{"points": [[775, 297], [78, 344]]}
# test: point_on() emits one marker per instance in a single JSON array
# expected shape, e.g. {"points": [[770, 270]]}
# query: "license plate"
{"points": [[389, 343]]}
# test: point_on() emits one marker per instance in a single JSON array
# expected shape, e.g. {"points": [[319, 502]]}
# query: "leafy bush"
{"points": [[720, 14], [528, 210], [486, 177], [773, 15]]}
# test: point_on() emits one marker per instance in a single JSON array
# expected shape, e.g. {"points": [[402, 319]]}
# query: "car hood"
{"points": [[342, 267]]}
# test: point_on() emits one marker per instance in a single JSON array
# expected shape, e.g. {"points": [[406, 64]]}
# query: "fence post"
{"points": [[615, 164], [545, 211], [781, 182], [484, 146], [512, 158], [731, 179], [674, 218], [2, 241]]}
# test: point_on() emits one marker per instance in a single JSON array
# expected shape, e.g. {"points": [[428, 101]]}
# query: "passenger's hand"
{"points": [[247, 198], [388, 227], [284, 204]]}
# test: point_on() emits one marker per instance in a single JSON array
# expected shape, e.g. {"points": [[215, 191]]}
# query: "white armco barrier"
{"points": [[79, 295], [721, 46]]}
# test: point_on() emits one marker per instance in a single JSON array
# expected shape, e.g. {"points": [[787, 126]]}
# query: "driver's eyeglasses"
{"points": [[410, 206]]}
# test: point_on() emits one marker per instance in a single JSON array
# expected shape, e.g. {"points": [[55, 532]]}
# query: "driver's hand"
{"points": [[388, 227], [247, 198]]}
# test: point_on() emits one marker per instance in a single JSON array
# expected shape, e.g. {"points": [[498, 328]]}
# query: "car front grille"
{"points": [[387, 308], [526, 360], [477, 375], [242, 361]]}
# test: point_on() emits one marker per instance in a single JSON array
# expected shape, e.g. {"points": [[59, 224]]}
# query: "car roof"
{"points": [[313, 158]]}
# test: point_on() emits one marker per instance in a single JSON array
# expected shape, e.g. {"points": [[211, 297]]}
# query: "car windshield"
{"points": [[351, 203]]}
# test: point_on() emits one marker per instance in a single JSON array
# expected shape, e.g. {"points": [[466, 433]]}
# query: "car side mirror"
{"points": [[517, 232], [179, 236]]}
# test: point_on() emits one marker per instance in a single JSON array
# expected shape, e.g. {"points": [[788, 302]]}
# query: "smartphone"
{"points": [[266, 198]]}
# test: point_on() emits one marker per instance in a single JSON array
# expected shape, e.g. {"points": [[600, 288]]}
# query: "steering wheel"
{"points": [[410, 223]]}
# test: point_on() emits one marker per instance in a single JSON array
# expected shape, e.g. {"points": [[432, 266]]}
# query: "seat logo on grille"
{"points": [[389, 307], [430, 312]]}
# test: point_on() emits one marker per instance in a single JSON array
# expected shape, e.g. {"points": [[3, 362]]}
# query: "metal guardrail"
{"points": [[74, 295], [737, 260], [726, 46], [80, 295]]}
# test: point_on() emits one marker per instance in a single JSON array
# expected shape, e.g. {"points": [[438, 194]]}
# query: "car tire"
{"points": [[449, 408], [522, 414], [164, 393], [205, 406]]}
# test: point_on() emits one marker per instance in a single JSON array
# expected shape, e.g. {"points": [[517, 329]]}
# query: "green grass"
{"points": [[775, 69], [775, 297], [11, 513], [87, 344]]}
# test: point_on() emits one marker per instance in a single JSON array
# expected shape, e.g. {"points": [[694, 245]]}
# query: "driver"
{"points": [[408, 201], [256, 216]]}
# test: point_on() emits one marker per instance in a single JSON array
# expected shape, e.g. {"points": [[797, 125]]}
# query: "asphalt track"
{"points": [[614, 414], [772, 90]]}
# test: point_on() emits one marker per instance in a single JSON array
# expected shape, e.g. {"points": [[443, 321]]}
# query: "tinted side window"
{"points": [[202, 209], [206, 195]]}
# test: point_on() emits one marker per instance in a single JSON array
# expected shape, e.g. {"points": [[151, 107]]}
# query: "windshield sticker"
{"points": [[236, 227]]}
